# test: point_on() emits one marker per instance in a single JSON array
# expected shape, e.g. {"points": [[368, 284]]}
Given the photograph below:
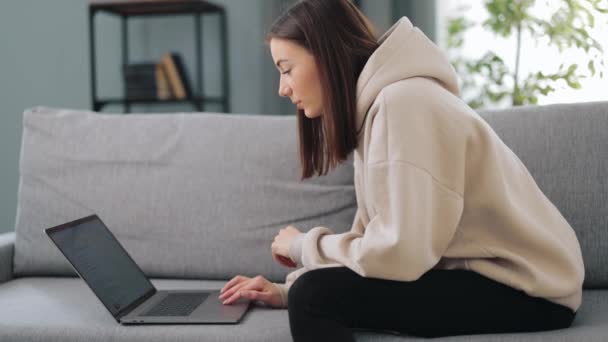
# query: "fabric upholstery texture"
{"points": [[63, 310], [188, 195], [201, 195]]}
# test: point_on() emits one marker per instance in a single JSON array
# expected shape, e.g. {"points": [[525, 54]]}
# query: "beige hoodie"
{"points": [[438, 189]]}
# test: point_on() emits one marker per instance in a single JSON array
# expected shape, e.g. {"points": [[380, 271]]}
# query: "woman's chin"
{"points": [[310, 115]]}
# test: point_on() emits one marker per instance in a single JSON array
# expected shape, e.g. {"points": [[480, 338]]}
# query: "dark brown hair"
{"points": [[341, 39]]}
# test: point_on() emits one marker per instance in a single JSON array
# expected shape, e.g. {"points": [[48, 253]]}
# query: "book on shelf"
{"points": [[140, 80], [177, 75], [163, 89], [162, 80]]}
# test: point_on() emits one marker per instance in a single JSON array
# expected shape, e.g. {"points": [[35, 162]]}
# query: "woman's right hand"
{"points": [[285, 261], [256, 289]]}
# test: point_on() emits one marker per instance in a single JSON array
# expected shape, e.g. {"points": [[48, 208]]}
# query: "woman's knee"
{"points": [[304, 288], [312, 288]]}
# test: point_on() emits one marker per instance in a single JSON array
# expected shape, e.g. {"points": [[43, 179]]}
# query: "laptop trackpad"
{"points": [[208, 308]]}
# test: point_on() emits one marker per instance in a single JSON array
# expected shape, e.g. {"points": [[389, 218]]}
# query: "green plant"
{"points": [[491, 80]]}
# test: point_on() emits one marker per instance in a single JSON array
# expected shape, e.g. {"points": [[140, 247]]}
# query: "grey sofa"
{"points": [[197, 199]]}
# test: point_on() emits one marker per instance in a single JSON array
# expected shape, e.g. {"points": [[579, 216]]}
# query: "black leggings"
{"points": [[328, 304]]}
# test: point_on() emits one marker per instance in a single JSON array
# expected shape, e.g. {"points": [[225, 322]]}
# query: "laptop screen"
{"points": [[101, 261]]}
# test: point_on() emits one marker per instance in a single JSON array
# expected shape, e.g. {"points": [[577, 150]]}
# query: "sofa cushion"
{"points": [[565, 148], [194, 195], [143, 166], [64, 309]]}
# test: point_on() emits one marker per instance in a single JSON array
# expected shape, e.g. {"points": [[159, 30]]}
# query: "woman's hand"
{"points": [[258, 289], [280, 246], [287, 262]]}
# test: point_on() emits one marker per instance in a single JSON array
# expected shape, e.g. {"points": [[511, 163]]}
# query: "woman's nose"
{"points": [[284, 90]]}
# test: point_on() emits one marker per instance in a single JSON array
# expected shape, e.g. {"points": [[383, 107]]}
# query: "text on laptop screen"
{"points": [[103, 263]]}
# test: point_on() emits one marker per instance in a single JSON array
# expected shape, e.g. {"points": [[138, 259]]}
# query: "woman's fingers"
{"points": [[256, 289], [229, 292], [285, 261], [237, 287], [264, 296], [250, 285], [274, 256], [230, 283], [278, 258], [236, 280]]}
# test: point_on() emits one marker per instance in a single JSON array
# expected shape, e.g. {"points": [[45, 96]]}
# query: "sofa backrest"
{"points": [[565, 148], [202, 195], [188, 195]]}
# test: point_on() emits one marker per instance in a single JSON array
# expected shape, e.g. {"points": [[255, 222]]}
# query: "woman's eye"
{"points": [[286, 72]]}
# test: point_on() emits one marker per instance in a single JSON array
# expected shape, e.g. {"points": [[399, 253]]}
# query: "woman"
{"points": [[452, 235]]}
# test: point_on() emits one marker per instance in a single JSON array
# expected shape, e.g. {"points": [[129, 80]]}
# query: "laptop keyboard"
{"points": [[177, 304]]}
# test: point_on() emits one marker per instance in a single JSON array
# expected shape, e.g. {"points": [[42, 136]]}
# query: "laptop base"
{"points": [[211, 310]]}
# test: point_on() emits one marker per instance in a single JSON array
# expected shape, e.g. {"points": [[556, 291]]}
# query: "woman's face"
{"points": [[299, 78]]}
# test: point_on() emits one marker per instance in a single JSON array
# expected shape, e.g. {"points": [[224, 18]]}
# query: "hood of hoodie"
{"points": [[404, 52]]}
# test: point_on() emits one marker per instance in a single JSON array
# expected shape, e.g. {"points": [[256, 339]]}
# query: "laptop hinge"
{"points": [[127, 309]]}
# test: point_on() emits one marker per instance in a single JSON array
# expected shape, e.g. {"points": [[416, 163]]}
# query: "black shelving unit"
{"points": [[150, 8]]}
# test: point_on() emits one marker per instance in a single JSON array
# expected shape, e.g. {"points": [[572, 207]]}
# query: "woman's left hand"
{"points": [[281, 243]]}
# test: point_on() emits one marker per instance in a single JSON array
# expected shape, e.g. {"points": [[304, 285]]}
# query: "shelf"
{"points": [[127, 9], [154, 7], [198, 99]]}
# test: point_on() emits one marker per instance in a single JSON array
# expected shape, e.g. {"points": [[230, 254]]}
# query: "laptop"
{"points": [[119, 283]]}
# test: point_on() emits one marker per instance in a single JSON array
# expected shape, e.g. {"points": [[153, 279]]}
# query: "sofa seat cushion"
{"points": [[64, 309]]}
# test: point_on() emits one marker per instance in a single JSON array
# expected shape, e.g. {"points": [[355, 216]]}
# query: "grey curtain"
{"points": [[422, 13]]}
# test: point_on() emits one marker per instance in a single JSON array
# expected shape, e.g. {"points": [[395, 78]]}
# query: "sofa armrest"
{"points": [[7, 247]]}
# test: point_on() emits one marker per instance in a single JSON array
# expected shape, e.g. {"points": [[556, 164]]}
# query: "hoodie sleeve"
{"points": [[295, 254], [289, 280], [414, 220]]}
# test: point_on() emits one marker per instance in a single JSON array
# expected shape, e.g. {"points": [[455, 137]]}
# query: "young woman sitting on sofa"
{"points": [[451, 236]]}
